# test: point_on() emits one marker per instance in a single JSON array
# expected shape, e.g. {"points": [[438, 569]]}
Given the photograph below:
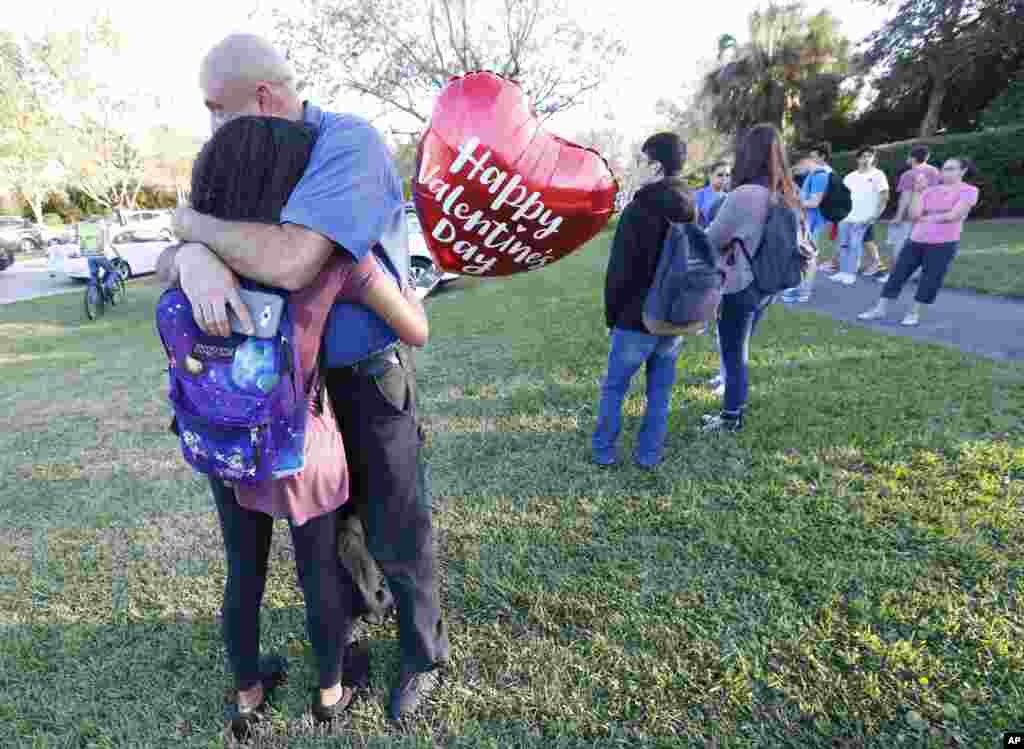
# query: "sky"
{"points": [[666, 39]]}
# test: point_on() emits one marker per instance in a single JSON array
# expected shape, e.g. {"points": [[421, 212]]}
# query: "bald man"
{"points": [[348, 200]]}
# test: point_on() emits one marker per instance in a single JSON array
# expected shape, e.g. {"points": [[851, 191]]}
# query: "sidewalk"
{"points": [[976, 323]]}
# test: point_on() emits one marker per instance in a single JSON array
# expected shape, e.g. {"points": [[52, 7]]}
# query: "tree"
{"points": [[28, 148], [107, 165], [94, 149], [693, 121], [400, 53], [789, 73], [928, 44]]}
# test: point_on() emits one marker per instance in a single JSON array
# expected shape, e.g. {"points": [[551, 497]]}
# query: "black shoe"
{"points": [[273, 673], [326, 713], [412, 689]]}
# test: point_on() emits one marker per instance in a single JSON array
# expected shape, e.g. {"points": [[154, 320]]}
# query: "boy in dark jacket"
{"points": [[631, 268]]}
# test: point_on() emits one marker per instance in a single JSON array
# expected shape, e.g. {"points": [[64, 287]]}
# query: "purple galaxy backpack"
{"points": [[239, 403]]}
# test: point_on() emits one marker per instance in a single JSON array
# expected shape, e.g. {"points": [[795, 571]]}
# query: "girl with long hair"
{"points": [[760, 178], [246, 172]]}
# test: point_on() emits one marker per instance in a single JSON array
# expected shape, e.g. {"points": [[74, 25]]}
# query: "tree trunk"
{"points": [[930, 123]]}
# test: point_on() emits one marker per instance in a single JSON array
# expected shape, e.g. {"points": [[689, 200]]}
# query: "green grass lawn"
{"points": [[991, 258], [848, 572]]}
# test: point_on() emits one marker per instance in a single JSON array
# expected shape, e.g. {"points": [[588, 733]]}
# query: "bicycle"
{"points": [[110, 288]]}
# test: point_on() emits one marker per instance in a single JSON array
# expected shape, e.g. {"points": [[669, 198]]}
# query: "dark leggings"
{"points": [[247, 537], [934, 261], [738, 316]]}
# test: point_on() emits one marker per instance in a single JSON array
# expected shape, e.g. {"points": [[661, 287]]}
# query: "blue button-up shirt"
{"points": [[351, 194]]}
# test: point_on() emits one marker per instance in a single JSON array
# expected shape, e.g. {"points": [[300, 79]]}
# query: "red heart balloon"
{"points": [[497, 194]]}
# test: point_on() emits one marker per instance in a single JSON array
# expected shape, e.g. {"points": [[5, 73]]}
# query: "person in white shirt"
{"points": [[869, 189]]}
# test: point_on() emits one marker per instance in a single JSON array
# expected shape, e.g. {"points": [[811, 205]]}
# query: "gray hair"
{"points": [[246, 57]]}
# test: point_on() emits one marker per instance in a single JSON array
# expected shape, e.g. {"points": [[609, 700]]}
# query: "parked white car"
{"points": [[148, 224], [131, 254], [423, 271]]}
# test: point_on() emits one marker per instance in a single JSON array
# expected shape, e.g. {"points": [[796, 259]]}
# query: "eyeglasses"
{"points": [[723, 175]]}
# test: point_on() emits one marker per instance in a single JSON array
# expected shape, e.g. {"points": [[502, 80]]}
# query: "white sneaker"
{"points": [[872, 314], [837, 277], [719, 391], [715, 381], [882, 278], [848, 279], [911, 320]]}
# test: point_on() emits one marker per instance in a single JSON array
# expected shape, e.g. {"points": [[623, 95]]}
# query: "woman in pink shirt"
{"points": [[938, 214]]}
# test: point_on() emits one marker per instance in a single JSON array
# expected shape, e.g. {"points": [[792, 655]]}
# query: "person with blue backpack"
{"points": [[631, 270], [752, 227], [349, 201], [247, 171]]}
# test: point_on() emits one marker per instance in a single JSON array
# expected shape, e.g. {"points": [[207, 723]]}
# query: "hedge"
{"points": [[998, 156]]}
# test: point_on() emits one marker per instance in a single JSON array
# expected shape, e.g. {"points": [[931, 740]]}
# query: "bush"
{"points": [[997, 154], [1007, 108]]}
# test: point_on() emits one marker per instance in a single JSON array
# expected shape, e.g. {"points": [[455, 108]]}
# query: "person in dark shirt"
{"points": [[631, 267]]}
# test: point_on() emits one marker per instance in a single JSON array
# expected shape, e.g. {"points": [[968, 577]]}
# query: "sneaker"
{"points": [[848, 279], [715, 381], [837, 277], [882, 278], [872, 269], [911, 320], [409, 693], [872, 314], [722, 423], [719, 391]]}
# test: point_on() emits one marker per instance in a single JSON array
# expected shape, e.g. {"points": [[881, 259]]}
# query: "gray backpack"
{"points": [[687, 287]]}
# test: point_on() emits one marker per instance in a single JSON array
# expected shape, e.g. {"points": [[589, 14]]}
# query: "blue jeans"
{"points": [[802, 293], [99, 261], [737, 318], [851, 246], [630, 350]]}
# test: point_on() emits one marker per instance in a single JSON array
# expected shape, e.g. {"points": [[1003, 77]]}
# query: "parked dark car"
{"points": [[20, 235]]}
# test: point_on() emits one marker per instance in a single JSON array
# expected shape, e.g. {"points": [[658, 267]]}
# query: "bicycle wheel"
{"points": [[118, 290], [93, 301]]}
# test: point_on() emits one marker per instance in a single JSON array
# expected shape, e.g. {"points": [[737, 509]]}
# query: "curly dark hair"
{"points": [[250, 166]]}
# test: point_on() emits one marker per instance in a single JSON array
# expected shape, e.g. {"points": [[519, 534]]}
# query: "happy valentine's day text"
{"points": [[498, 236]]}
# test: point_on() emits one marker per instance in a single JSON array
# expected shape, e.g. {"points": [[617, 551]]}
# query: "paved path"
{"points": [[29, 278], [979, 324]]}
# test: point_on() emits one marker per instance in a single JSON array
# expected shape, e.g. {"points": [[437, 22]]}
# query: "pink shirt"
{"points": [[940, 200], [322, 485], [906, 183]]}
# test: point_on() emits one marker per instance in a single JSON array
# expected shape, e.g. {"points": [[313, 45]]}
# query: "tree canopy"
{"points": [[400, 53], [790, 73], [929, 48]]}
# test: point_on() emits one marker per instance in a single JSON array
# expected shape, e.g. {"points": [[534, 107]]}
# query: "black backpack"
{"points": [[779, 262], [687, 285], [837, 202]]}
